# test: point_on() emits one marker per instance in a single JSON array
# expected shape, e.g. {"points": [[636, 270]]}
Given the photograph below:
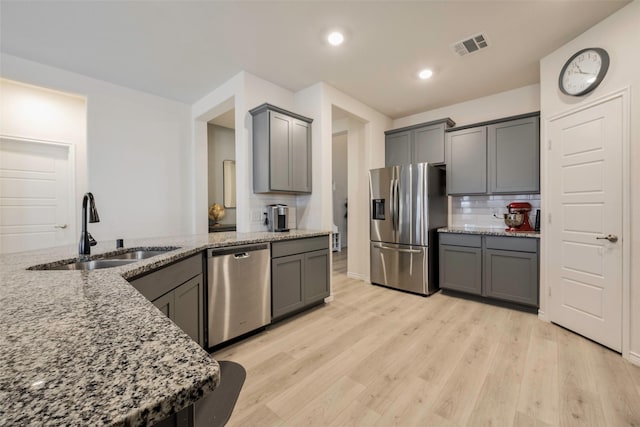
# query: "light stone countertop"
{"points": [[86, 348], [489, 231]]}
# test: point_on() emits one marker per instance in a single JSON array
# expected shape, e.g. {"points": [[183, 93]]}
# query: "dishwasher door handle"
{"points": [[241, 255]]}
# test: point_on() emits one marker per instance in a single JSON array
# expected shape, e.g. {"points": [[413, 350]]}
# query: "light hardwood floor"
{"points": [[379, 357]]}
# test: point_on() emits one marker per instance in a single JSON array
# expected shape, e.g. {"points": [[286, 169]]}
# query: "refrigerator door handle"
{"points": [[405, 251], [396, 206], [392, 204]]}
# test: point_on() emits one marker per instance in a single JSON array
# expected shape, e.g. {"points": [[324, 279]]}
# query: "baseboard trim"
{"points": [[542, 316], [634, 358], [358, 276], [329, 298]]}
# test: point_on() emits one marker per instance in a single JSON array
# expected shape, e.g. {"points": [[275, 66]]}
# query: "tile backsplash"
{"points": [[470, 211]]}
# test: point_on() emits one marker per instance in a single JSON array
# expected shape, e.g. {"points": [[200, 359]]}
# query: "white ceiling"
{"points": [[183, 50]]}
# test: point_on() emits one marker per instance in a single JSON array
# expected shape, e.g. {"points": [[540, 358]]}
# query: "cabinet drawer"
{"points": [[521, 244], [160, 282], [473, 241], [298, 246]]}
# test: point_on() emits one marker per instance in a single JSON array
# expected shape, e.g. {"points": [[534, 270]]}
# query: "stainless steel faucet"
{"points": [[86, 240]]}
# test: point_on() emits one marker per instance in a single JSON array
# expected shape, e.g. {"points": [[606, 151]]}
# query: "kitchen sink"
{"points": [[116, 260], [95, 264], [139, 254]]}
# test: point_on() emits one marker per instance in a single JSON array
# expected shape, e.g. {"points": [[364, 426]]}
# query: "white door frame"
{"points": [[71, 148], [626, 213]]}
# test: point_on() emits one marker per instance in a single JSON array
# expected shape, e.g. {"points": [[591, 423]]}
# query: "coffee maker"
{"points": [[278, 217]]}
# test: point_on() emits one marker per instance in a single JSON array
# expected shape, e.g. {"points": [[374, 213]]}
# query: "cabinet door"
{"points": [[428, 145], [511, 276], [301, 156], [188, 308], [514, 156], [467, 161], [165, 304], [316, 276], [286, 284], [279, 152], [397, 149], [461, 269]]}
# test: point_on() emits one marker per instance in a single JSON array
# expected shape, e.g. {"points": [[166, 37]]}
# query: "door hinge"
{"points": [[549, 290], [549, 144], [549, 217]]}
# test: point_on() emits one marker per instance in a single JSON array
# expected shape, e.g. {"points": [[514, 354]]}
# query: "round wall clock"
{"points": [[584, 71]]}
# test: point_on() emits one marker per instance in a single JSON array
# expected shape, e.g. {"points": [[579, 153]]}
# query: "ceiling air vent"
{"points": [[470, 45]]}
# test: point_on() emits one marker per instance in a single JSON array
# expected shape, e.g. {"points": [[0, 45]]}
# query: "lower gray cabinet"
{"points": [[299, 274], [461, 269], [504, 268], [511, 276], [287, 277], [178, 291]]}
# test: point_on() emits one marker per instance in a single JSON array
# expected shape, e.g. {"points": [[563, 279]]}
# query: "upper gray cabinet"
{"points": [[467, 161], [423, 143], [514, 156], [497, 157], [281, 151]]}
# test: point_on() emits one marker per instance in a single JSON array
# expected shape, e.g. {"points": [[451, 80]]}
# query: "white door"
{"points": [[36, 195], [585, 194]]}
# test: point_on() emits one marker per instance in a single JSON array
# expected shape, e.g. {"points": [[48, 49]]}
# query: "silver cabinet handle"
{"points": [[63, 226], [610, 237], [406, 251]]}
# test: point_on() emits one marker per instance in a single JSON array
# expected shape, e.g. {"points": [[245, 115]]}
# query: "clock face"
{"points": [[584, 71]]}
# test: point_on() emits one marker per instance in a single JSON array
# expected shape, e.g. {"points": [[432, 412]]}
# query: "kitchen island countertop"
{"points": [[489, 231], [86, 348]]}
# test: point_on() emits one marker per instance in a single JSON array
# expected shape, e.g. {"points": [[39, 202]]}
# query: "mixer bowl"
{"points": [[513, 220]]}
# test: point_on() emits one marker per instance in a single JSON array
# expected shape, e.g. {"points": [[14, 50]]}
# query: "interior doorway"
{"points": [[340, 181], [221, 182], [349, 130]]}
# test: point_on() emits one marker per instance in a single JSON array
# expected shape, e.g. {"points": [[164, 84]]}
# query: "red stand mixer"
{"points": [[518, 217]]}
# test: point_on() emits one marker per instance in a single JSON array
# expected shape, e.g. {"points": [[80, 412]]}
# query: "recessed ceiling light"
{"points": [[335, 38], [425, 74]]}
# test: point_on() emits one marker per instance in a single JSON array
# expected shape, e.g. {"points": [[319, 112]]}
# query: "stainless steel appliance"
{"points": [[278, 217], [408, 204], [239, 289]]}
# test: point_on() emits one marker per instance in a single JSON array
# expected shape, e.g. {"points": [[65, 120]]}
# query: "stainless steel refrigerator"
{"points": [[408, 204]]}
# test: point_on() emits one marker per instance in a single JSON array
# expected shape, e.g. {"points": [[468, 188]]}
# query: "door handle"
{"points": [[610, 237], [63, 226], [406, 251], [241, 255]]}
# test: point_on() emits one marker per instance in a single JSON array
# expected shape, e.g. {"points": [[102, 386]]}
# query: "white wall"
{"points": [[366, 151], [339, 173], [243, 92], [619, 34], [137, 152], [221, 146], [33, 112], [504, 104]]}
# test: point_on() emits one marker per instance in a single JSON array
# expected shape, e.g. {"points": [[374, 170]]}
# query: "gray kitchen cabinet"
{"points": [[178, 291], [497, 157], [287, 277], [460, 262], [397, 149], [467, 161], [514, 156], [299, 274], [281, 151], [497, 267], [422, 143]]}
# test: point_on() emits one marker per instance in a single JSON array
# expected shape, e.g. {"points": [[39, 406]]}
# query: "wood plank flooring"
{"points": [[379, 357]]}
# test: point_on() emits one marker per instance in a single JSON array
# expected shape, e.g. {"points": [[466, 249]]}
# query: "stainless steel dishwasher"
{"points": [[239, 288]]}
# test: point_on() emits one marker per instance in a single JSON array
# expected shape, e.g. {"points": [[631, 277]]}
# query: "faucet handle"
{"points": [[92, 241]]}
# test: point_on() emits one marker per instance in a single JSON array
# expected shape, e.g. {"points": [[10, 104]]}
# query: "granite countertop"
{"points": [[489, 231], [86, 348]]}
